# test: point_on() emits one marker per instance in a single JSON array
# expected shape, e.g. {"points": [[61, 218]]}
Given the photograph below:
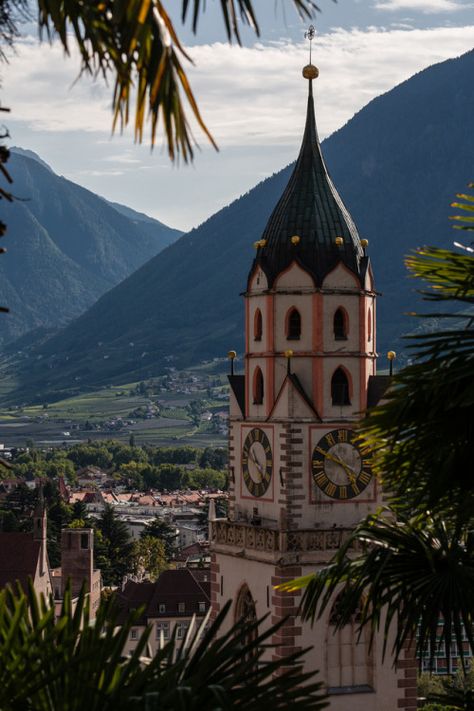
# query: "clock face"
{"points": [[257, 463], [341, 469]]}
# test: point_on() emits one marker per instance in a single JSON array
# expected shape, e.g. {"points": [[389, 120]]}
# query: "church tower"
{"points": [[299, 482]]}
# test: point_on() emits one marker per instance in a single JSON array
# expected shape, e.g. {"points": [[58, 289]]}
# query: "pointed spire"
{"points": [[311, 209]]}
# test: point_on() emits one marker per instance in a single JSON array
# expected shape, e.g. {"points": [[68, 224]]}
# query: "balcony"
{"points": [[271, 540]]}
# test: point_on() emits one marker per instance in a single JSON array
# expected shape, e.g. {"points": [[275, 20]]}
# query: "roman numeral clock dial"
{"points": [[257, 462], [340, 467]]}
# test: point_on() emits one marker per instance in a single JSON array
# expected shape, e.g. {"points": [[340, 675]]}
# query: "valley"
{"points": [[182, 407]]}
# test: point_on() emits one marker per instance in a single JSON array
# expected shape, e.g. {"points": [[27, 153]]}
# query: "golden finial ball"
{"points": [[310, 72], [256, 244], [296, 239], [391, 355], [288, 353], [232, 355], [262, 242], [339, 241], [364, 243]]}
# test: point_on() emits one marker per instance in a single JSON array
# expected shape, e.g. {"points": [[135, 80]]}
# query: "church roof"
{"points": [[19, 555], [377, 387], [311, 209]]}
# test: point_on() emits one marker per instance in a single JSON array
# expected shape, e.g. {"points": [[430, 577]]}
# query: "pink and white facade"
{"points": [[299, 481]]}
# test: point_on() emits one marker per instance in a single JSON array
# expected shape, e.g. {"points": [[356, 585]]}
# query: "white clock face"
{"points": [[341, 469], [257, 464]]}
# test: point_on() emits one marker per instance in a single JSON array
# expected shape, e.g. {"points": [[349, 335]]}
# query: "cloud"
{"points": [[253, 99], [250, 95], [425, 6], [256, 96]]}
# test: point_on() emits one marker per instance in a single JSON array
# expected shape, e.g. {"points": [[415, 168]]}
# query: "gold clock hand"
{"points": [[350, 474], [257, 463]]}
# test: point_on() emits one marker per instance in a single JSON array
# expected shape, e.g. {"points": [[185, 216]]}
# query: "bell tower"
{"points": [[299, 480]]}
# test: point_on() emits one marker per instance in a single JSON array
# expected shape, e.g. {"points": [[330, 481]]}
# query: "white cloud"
{"points": [[253, 100], [255, 96], [425, 6]]}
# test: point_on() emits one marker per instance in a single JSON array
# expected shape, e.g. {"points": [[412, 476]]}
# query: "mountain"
{"points": [[397, 164], [66, 247]]}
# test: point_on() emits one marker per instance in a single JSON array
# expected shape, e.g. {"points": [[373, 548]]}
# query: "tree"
{"points": [[418, 556], [115, 547], [65, 664], [149, 557], [166, 534], [214, 457]]}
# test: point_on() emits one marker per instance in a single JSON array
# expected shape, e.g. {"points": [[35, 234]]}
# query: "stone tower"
{"points": [[299, 481]]}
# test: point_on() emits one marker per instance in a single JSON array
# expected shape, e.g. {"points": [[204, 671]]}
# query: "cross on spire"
{"points": [[310, 35]]}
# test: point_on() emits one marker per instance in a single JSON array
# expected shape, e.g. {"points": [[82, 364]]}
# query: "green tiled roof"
{"points": [[312, 209]]}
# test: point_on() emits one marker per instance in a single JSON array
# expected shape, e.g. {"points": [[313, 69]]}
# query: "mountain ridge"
{"points": [[67, 246], [397, 165]]}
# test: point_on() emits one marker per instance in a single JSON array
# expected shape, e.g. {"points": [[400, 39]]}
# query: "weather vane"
{"points": [[310, 35]]}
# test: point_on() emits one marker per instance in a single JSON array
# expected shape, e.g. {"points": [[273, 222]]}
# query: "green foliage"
{"points": [[114, 547], [428, 684], [149, 557], [214, 458], [69, 665], [166, 534]]}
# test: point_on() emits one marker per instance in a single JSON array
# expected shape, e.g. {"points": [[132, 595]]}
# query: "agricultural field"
{"points": [[163, 411]]}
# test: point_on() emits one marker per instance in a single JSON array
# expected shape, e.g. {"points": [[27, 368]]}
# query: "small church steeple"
{"points": [[40, 528], [312, 210]]}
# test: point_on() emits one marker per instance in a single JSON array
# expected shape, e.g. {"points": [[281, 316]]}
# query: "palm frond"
{"points": [[412, 575], [67, 664], [136, 44]]}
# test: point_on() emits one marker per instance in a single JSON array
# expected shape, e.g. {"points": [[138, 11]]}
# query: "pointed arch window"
{"points": [[349, 658], [369, 325], [246, 613], [257, 325], [340, 325], [258, 387], [340, 388], [293, 325]]}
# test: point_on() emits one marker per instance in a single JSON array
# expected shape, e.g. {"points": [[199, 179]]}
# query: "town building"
{"points": [[299, 479], [24, 556], [168, 605]]}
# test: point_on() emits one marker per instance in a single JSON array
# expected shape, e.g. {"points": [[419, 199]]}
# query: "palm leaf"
{"points": [[136, 45], [411, 574], [66, 664]]}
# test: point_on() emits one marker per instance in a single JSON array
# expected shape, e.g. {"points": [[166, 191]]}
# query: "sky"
{"points": [[252, 98]]}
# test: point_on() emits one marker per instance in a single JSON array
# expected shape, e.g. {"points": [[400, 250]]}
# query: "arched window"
{"points": [[293, 325], [257, 386], [340, 325], [245, 612], [340, 388], [257, 325], [349, 659], [369, 325]]}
